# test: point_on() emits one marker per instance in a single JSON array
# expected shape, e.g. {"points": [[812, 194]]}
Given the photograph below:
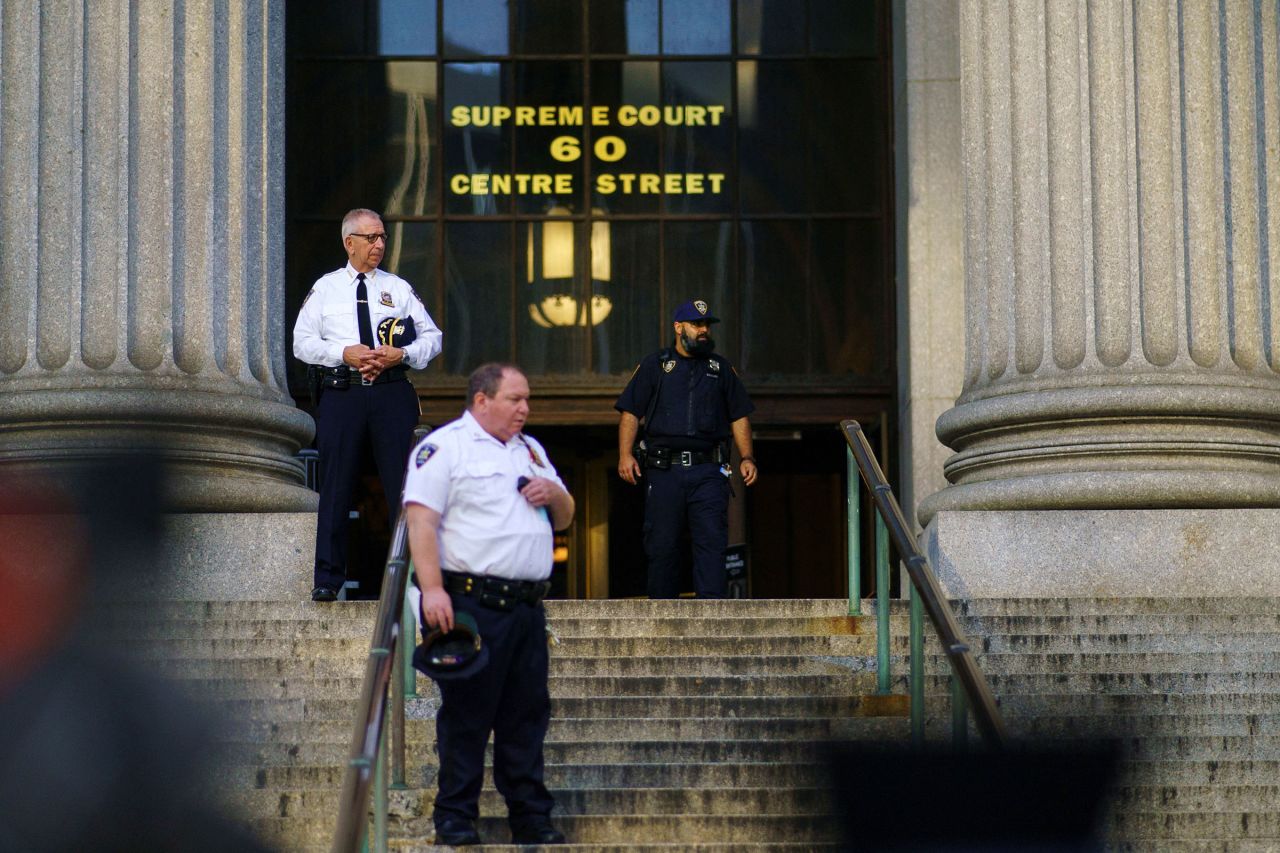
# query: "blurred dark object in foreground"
{"points": [[1024, 799], [98, 754]]}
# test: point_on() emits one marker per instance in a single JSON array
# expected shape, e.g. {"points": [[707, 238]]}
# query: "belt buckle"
{"points": [[686, 458], [365, 380]]}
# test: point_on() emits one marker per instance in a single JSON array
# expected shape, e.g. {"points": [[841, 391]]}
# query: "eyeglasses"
{"points": [[372, 238]]}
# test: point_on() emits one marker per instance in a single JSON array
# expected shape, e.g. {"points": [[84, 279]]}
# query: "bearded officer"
{"points": [[692, 402], [364, 392], [478, 499]]}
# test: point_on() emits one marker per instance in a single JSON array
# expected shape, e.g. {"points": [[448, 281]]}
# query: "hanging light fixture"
{"points": [[550, 257]]}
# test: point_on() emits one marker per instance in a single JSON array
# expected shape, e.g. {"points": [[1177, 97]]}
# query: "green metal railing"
{"points": [[968, 687], [389, 679]]}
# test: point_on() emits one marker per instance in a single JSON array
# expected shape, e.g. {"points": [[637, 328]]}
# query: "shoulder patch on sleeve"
{"points": [[425, 452], [310, 293]]}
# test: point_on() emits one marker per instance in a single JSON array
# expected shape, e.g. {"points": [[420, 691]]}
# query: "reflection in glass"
{"points": [[843, 26], [475, 27], [472, 150], [624, 26], [846, 154], [549, 26], [406, 27], [695, 26], [477, 296], [770, 27], [699, 265], [705, 150], [631, 288], [614, 84], [412, 193], [775, 302], [850, 310], [772, 145], [391, 168]]}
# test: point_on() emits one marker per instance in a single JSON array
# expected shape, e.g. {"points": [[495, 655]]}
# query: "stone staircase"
{"points": [[676, 725], [699, 725], [1189, 688]]}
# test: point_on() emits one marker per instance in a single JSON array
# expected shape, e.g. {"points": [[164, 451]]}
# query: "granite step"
{"points": [[1124, 662], [1160, 642]]}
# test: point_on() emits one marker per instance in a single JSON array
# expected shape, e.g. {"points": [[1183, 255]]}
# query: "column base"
{"points": [[1105, 553]]}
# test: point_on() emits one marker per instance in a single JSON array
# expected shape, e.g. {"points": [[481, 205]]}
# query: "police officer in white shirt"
{"points": [[481, 501], [364, 393]]}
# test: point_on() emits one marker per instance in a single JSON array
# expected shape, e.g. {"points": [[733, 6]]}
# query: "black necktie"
{"points": [[362, 313]]}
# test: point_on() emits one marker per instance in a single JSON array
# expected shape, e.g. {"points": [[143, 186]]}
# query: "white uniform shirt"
{"points": [[486, 526], [327, 322]]}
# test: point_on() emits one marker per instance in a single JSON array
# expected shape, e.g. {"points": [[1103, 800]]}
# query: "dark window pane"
{"points": [[770, 27], [559, 85], [407, 27], [775, 303], [549, 26], [702, 154], [695, 26], [475, 27], [625, 282], [325, 28], [843, 26], [551, 310], [313, 249], [386, 166], [615, 84], [473, 148], [846, 103], [851, 322], [477, 295], [699, 265], [772, 143], [624, 26]]}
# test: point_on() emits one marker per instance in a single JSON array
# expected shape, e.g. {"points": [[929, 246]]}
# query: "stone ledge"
{"points": [[238, 556], [1093, 553]]}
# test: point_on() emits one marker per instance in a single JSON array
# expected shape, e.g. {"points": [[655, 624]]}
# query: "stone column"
{"points": [[1122, 241], [141, 265]]}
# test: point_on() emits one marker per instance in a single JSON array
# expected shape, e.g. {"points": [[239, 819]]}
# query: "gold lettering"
{"points": [[673, 116], [524, 116], [500, 184], [627, 181], [522, 184], [695, 115], [672, 183], [458, 184], [653, 183], [570, 116], [605, 184], [650, 115], [500, 114], [716, 112], [716, 180], [546, 115], [460, 116], [693, 183], [541, 184], [599, 116], [564, 184], [648, 183], [626, 115]]}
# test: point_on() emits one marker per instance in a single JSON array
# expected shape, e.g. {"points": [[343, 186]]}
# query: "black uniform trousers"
{"points": [[508, 697], [699, 496], [385, 414]]}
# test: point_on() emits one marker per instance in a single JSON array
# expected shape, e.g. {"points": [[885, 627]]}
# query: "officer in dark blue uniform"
{"points": [[692, 402]]}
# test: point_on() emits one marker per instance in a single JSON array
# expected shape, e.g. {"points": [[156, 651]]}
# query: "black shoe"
{"points": [[324, 593], [538, 833], [456, 832]]}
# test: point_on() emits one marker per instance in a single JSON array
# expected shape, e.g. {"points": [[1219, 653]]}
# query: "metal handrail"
{"points": [[926, 587], [365, 762]]}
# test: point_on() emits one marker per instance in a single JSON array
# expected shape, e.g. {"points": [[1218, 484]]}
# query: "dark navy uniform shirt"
{"points": [[698, 398]]}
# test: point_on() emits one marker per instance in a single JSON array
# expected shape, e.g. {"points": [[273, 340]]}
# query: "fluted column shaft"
{"points": [[1122, 219], [141, 271]]}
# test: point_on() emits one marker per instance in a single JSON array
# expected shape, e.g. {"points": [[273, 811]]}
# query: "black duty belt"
{"points": [[665, 457], [498, 593], [337, 376]]}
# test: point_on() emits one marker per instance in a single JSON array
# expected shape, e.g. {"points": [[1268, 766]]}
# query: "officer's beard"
{"points": [[696, 346]]}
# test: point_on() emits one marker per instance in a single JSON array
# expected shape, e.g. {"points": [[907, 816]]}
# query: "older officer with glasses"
{"points": [[359, 376]]}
